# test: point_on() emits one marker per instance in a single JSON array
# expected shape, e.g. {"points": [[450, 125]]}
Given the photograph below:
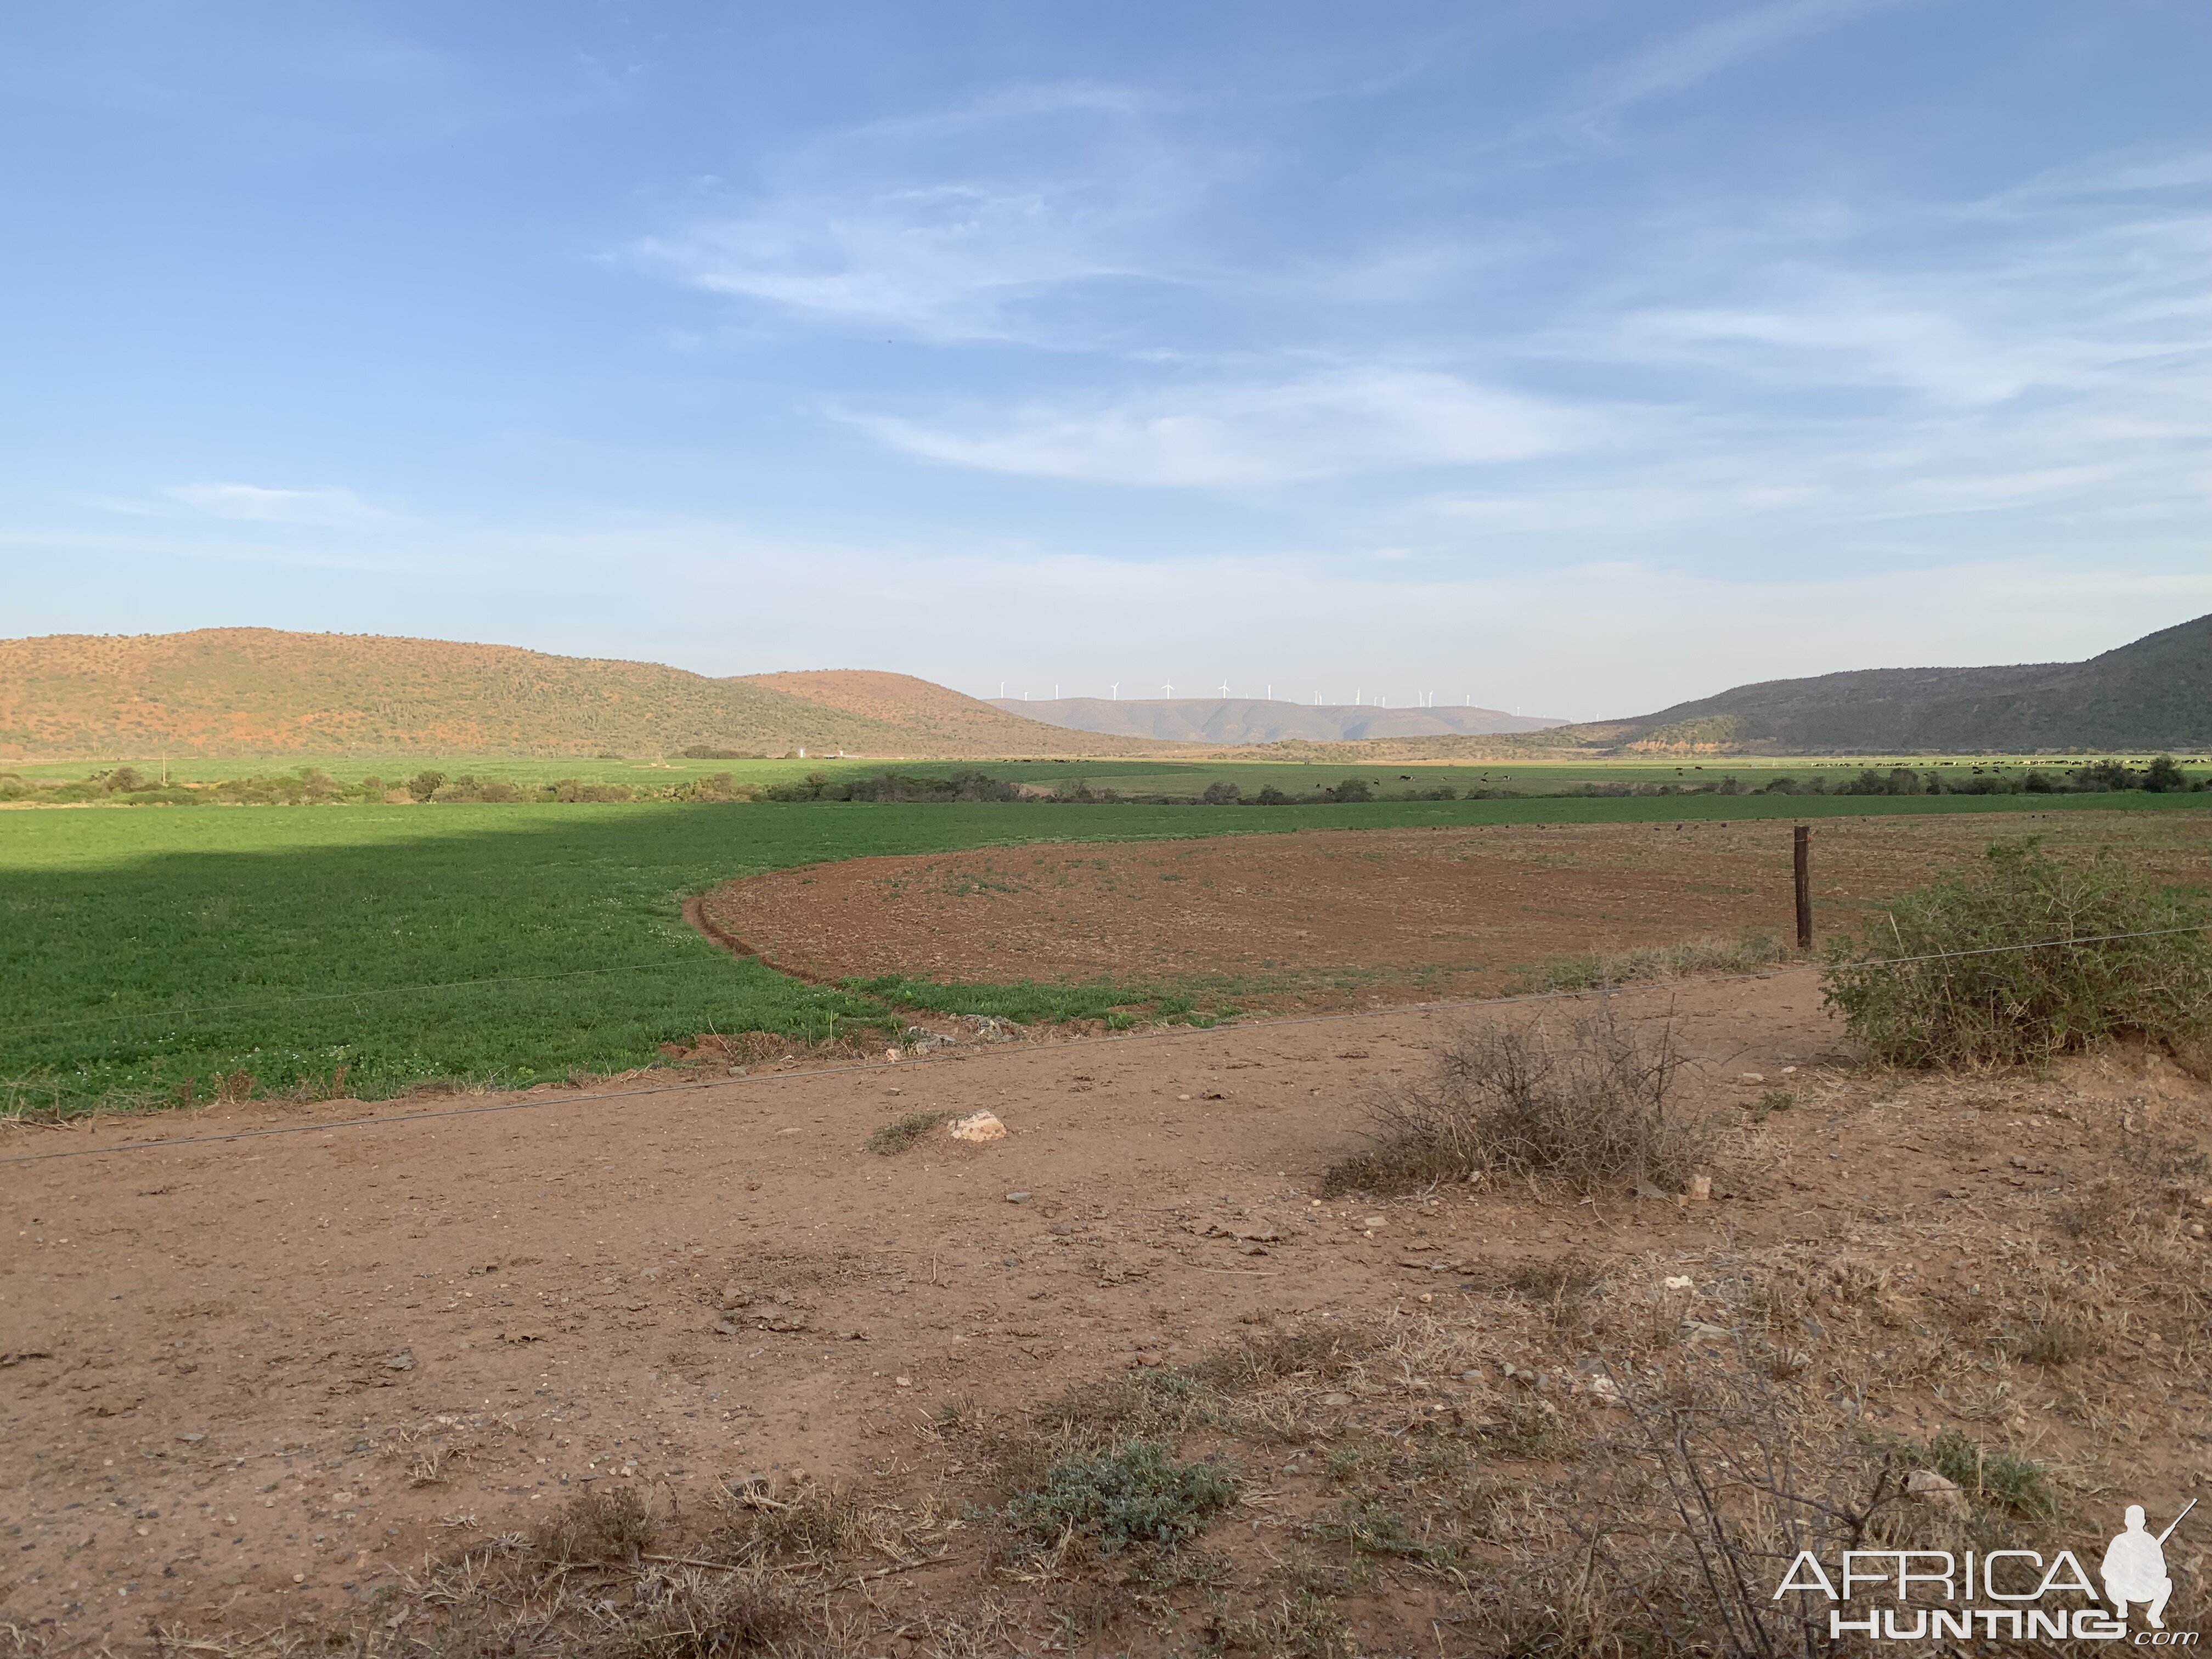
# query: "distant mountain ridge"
{"points": [[1254, 720], [2154, 693], [262, 690]]}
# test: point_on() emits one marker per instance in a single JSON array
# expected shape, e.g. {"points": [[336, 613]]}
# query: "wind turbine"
{"points": [[1225, 688], [1116, 689], [1169, 688]]}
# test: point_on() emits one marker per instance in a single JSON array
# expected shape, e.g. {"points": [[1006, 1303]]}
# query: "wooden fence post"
{"points": [[1800, 847]]}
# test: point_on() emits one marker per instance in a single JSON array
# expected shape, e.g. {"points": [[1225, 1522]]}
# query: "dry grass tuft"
{"points": [[1592, 1105], [901, 1133], [1601, 970]]}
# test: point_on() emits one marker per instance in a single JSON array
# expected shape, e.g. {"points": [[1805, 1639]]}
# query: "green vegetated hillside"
{"points": [[2155, 694], [258, 690], [2151, 696]]}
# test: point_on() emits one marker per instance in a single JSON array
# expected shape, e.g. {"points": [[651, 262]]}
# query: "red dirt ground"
{"points": [[1335, 918], [232, 1366]]}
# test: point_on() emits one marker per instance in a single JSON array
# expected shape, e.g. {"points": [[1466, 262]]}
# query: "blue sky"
{"points": [[1578, 357]]}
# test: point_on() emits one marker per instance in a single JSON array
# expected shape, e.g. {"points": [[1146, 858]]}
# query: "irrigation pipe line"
{"points": [[1184, 1033], [725, 954]]}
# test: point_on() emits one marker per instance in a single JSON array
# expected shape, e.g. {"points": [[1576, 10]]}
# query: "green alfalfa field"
{"points": [[151, 956]]}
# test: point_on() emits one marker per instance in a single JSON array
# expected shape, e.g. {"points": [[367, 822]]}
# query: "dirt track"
{"points": [[1350, 918], [258, 1380]]}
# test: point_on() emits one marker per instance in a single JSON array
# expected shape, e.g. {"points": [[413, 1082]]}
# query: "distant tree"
{"points": [[2100, 776], [2163, 777]]}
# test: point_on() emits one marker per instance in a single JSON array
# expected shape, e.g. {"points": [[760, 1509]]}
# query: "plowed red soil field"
{"points": [[1333, 918]]}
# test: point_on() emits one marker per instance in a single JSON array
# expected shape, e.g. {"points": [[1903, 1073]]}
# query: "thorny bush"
{"points": [[1940, 978]]}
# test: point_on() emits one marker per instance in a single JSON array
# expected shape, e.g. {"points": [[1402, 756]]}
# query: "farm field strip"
{"points": [[1166, 775], [197, 936], [1346, 918]]}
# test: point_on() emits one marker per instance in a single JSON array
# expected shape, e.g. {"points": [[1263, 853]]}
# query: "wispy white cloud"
{"points": [[1238, 435], [1682, 61], [958, 226], [327, 505]]}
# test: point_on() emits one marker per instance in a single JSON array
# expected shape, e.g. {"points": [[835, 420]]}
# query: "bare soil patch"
{"points": [[348, 1385], [1341, 917]]}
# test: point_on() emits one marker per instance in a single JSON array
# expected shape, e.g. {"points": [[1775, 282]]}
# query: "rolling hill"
{"points": [[1254, 720], [2154, 694], [258, 690]]}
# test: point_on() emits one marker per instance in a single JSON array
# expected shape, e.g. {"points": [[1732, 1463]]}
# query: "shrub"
{"points": [[1592, 1105], [2162, 776], [1994, 1477], [1222, 794], [1350, 789], [1138, 1495], [1984, 1000], [424, 785]]}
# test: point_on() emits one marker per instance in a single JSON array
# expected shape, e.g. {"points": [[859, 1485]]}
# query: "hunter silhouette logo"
{"points": [[2134, 1568]]}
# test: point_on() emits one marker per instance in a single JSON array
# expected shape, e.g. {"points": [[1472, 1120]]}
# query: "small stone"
{"points": [[1020, 1198], [1336, 1400], [191, 1438], [1373, 1223], [903, 1382], [1182, 1096], [1751, 1077], [980, 1126], [1681, 1282], [404, 1361], [1060, 1229], [892, 1054], [1701, 1188], [1426, 1296], [299, 1577], [736, 1071], [1934, 1489]]}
